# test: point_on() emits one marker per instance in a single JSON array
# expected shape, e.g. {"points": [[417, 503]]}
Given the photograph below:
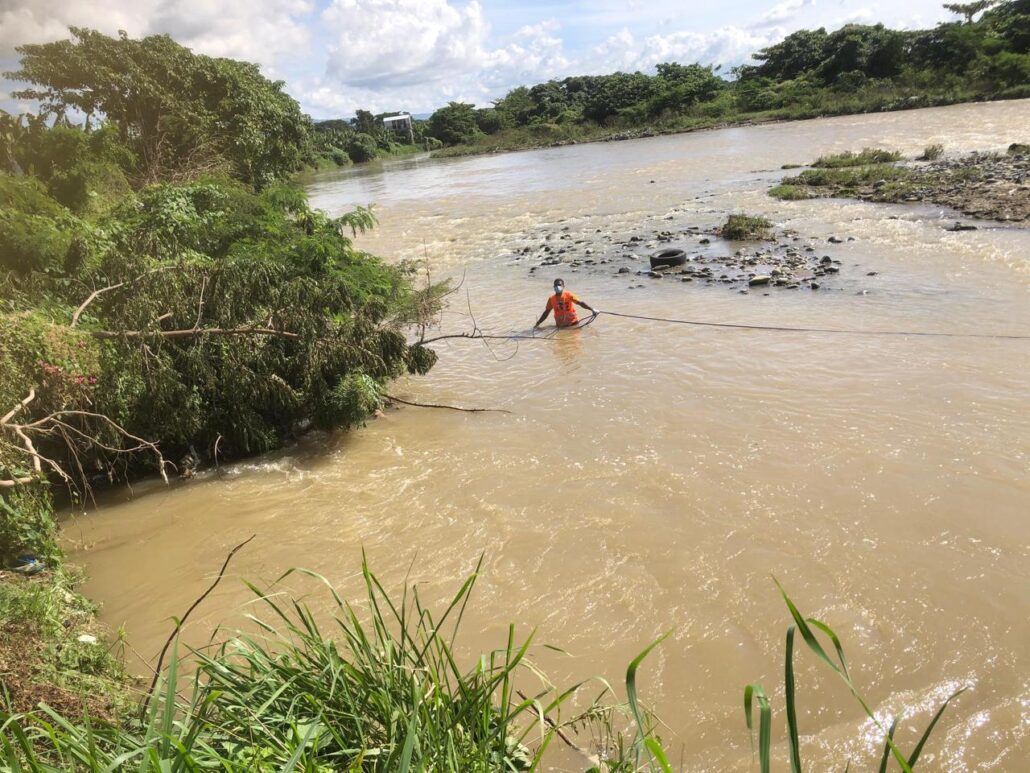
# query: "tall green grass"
{"points": [[864, 158], [375, 689], [379, 688], [848, 177]]}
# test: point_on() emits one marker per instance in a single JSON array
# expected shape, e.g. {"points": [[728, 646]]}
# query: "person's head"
{"points": [[559, 286]]}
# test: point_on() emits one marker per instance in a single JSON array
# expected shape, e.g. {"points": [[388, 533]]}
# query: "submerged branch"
{"points": [[448, 407]]}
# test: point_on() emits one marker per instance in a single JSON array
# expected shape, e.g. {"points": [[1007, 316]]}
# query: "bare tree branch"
{"points": [[194, 333], [10, 414], [54, 420], [96, 293], [26, 441]]}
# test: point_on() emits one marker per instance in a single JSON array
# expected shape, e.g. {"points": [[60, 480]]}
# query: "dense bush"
{"points": [[362, 147], [454, 124]]}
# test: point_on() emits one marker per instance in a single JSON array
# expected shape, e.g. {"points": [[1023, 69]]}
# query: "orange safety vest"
{"points": [[564, 311]]}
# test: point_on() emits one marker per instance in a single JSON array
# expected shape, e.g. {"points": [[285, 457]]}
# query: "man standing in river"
{"points": [[563, 305]]}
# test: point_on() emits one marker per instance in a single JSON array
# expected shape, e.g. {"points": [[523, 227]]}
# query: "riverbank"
{"points": [[554, 135], [984, 185], [54, 651]]}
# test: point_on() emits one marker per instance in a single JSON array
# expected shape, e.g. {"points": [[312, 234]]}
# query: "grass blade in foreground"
{"points": [[754, 692]]}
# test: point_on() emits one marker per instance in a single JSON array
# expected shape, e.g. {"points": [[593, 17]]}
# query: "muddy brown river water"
{"points": [[653, 477]]}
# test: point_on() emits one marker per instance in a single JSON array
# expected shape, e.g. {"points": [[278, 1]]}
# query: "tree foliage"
{"points": [[177, 111], [166, 295], [454, 124]]}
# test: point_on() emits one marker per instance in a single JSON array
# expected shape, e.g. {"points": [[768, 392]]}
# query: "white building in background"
{"points": [[400, 125]]}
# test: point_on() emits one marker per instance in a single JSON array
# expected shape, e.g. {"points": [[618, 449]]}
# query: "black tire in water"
{"points": [[668, 258]]}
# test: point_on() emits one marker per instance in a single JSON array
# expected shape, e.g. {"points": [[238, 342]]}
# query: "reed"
{"points": [[755, 695], [376, 691], [931, 152]]}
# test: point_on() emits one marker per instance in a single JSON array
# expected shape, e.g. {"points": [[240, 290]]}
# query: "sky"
{"points": [[384, 55]]}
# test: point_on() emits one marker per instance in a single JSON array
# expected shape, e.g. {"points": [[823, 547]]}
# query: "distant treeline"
{"points": [[856, 68]]}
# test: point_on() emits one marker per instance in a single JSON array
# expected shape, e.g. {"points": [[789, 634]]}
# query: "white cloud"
{"points": [[420, 54], [858, 16], [40, 21], [261, 31], [535, 51], [395, 43], [780, 13], [726, 45]]}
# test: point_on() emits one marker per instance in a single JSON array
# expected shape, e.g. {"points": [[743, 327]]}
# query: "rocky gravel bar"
{"points": [[987, 186]]}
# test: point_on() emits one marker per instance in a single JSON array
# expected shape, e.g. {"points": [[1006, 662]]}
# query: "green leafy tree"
{"points": [[798, 53], [517, 107], [454, 124], [1010, 23], [84, 171], [948, 48], [872, 50], [606, 95], [679, 86], [489, 120], [180, 113], [969, 10], [365, 122], [550, 100], [10, 132]]}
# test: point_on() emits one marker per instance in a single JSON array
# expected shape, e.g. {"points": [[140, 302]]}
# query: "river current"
{"points": [[653, 477]]}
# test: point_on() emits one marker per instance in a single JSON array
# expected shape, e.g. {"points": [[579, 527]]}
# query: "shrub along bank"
{"points": [[167, 295]]}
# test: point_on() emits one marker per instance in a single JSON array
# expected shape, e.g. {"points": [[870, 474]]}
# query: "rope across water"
{"points": [[550, 333], [835, 331]]}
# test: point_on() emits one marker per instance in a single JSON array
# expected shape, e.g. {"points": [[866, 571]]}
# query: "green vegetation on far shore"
{"points": [[856, 69], [979, 184]]}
